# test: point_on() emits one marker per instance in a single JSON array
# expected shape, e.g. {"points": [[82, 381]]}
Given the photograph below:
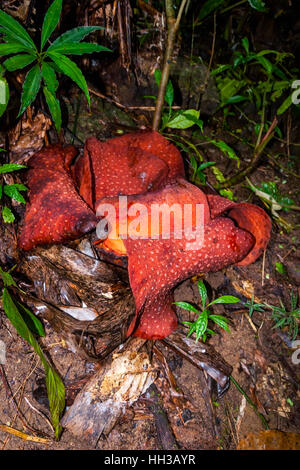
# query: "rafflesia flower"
{"points": [[65, 198]]}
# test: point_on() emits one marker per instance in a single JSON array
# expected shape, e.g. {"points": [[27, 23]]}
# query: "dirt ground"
{"points": [[260, 355]]}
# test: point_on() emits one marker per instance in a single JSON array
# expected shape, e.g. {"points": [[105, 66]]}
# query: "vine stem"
{"points": [[173, 25]]}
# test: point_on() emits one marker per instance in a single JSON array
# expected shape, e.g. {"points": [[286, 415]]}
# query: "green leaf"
{"points": [[220, 69], [280, 323], [9, 167], [277, 71], [279, 87], [258, 5], [245, 44], [206, 165], [229, 87], [50, 21], [285, 105], [1, 190], [268, 66], [295, 327], [49, 77], [74, 35], [239, 59], [11, 48], [7, 215], [54, 108], [191, 325], [169, 96], [31, 87], [18, 62], [78, 48], [211, 332], [56, 396], [4, 95], [184, 119], [226, 149], [234, 99], [186, 306], [157, 76], [33, 322], [280, 268], [201, 325], [202, 292], [294, 299], [220, 321], [14, 316], [70, 69], [208, 7], [11, 27], [225, 299], [266, 52], [7, 278], [55, 387], [13, 191]]}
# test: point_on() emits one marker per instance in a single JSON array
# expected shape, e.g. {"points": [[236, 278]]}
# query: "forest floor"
{"points": [[261, 356]]}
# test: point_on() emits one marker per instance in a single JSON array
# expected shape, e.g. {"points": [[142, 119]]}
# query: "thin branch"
{"points": [[173, 25]]}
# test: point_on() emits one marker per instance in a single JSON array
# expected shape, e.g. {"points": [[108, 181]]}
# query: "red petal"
{"points": [[131, 164], [55, 212], [253, 219], [248, 217], [156, 266], [153, 142]]}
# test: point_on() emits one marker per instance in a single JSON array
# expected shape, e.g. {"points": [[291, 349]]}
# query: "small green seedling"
{"points": [[253, 307], [200, 325], [11, 190], [284, 318]]}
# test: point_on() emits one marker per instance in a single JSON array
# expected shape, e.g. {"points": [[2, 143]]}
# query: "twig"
{"points": [[22, 435], [263, 268], [173, 25], [250, 321], [212, 53], [40, 413], [240, 416], [123, 106]]}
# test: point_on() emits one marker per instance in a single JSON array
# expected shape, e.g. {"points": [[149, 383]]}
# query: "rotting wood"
{"points": [[64, 276], [201, 355], [119, 383]]}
